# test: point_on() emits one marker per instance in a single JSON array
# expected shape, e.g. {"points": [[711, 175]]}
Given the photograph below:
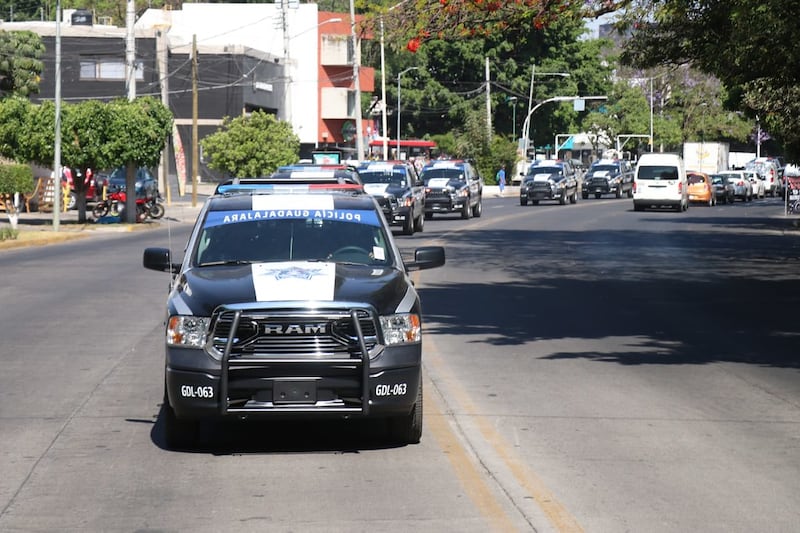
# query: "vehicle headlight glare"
{"points": [[187, 331], [401, 328]]}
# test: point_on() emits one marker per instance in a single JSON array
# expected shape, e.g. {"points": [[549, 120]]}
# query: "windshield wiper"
{"points": [[227, 263]]}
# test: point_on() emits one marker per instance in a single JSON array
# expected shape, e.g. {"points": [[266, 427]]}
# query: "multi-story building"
{"points": [[290, 60]]}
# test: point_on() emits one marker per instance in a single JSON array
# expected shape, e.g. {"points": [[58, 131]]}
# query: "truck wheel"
{"points": [[466, 211], [419, 223], [563, 199], [523, 201], [574, 198], [179, 433], [407, 429], [408, 223], [477, 211]]}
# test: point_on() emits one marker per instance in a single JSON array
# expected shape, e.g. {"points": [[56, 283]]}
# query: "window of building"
{"points": [[105, 69]]}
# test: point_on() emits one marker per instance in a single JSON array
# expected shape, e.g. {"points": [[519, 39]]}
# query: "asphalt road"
{"points": [[588, 368]]}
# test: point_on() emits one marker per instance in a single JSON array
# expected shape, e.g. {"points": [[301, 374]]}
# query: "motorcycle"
{"points": [[114, 205], [154, 207]]}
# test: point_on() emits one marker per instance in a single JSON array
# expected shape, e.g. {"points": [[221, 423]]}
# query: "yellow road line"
{"points": [[556, 513], [472, 479]]}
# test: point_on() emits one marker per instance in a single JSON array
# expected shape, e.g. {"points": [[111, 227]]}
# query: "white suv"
{"points": [[660, 180]]}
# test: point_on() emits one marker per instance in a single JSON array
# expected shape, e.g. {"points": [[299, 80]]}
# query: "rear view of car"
{"points": [[660, 181], [743, 189], [700, 188]]}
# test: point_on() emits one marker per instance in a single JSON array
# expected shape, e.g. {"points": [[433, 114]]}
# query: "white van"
{"points": [[660, 180]]}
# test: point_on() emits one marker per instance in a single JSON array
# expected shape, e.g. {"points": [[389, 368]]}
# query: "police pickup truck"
{"points": [[452, 186], [292, 300]]}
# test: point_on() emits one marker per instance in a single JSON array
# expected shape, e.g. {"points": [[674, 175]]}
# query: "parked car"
{"points": [[549, 179], [146, 184], [758, 183], [660, 181], [700, 188], [608, 176], [399, 191], [741, 184], [771, 172], [724, 191]]}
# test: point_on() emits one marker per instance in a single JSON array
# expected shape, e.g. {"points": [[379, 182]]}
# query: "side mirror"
{"points": [[427, 257], [159, 259]]}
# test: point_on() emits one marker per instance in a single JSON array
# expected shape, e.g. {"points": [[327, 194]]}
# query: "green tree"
{"points": [[450, 82], [94, 135], [20, 67], [420, 21], [744, 43], [254, 145]]}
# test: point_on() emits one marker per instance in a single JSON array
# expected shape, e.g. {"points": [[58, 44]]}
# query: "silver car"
{"points": [[741, 184]]}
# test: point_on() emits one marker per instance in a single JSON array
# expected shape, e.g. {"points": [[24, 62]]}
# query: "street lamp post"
{"points": [[526, 124], [530, 100], [513, 100], [399, 75]]}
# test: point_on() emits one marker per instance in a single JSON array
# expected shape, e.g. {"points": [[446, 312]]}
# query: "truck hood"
{"points": [[198, 291]]}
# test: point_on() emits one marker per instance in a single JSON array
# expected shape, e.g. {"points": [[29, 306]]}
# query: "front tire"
{"points": [[407, 429], [466, 211], [408, 223], [419, 223], [156, 210], [477, 211]]}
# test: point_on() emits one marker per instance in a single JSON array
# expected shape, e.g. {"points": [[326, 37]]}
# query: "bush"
{"points": [[16, 178], [8, 234]]}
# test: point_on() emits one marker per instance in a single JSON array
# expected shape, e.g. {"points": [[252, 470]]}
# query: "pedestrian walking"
{"points": [[501, 179]]}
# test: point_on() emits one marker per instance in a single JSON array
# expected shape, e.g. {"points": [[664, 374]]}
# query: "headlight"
{"points": [[402, 328], [187, 331]]}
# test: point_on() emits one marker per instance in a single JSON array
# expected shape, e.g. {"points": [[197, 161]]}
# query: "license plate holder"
{"points": [[292, 391]]}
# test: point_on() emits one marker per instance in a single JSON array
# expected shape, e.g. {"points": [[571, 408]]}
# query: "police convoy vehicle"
{"points": [[608, 176], [292, 300], [398, 190], [549, 179], [452, 186]]}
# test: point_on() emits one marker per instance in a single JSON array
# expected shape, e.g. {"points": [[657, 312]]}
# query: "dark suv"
{"points": [[608, 176], [549, 179], [398, 190], [452, 186], [295, 303]]}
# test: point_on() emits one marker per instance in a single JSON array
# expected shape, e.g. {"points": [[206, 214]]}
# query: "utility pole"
{"points": [[130, 49], [161, 53], [195, 153], [356, 83], [287, 63], [57, 152], [488, 105]]}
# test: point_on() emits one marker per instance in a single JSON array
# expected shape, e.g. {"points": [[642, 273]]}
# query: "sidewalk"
{"points": [[37, 228], [493, 191]]}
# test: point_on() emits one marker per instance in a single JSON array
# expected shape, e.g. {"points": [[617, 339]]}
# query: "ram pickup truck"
{"points": [[292, 301]]}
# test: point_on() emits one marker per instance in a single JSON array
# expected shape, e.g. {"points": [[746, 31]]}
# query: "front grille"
{"points": [[540, 187], [600, 183], [292, 334], [438, 194]]}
